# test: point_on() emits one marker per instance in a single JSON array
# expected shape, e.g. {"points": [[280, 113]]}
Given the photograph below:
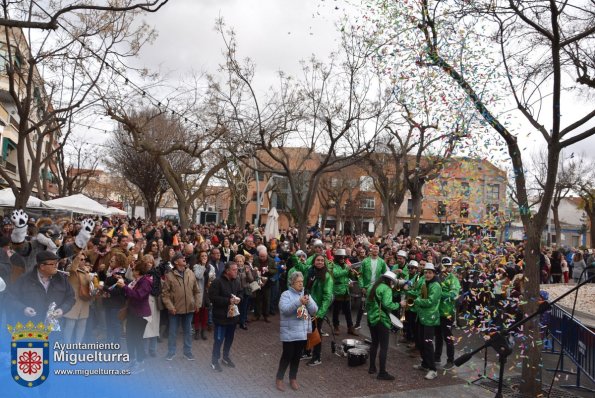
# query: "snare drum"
{"points": [[395, 321], [356, 357]]}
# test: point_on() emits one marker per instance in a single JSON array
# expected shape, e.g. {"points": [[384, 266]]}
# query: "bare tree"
{"points": [[535, 39], [186, 156], [570, 174], [51, 76], [140, 168], [332, 193], [237, 177], [76, 165], [386, 165], [32, 15], [306, 128]]}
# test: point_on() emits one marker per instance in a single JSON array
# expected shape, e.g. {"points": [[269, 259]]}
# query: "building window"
{"points": [[443, 188], [366, 184], [409, 207], [465, 189], [254, 196], [492, 209], [464, 210], [493, 193], [367, 203]]}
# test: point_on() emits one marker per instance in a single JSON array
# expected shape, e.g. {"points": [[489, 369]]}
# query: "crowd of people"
{"points": [[106, 277]]}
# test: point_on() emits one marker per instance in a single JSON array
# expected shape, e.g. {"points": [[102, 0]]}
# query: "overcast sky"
{"points": [[275, 34]]}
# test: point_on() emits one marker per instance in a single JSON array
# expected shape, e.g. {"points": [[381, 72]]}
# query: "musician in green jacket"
{"points": [[428, 313], [319, 285], [451, 288], [379, 305], [415, 280], [341, 282], [372, 268]]}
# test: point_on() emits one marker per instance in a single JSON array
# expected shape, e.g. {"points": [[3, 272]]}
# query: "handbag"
{"points": [[85, 293], [252, 287], [313, 338]]}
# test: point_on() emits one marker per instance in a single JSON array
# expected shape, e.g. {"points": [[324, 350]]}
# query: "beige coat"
{"points": [[181, 293], [80, 309]]}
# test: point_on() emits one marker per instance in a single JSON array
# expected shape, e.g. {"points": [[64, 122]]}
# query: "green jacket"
{"points": [[428, 308], [329, 264], [365, 276], [451, 288], [340, 280], [415, 289], [402, 275], [376, 313], [322, 293], [300, 266]]}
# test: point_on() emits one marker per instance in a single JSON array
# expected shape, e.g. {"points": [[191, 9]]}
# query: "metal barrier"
{"points": [[576, 341]]}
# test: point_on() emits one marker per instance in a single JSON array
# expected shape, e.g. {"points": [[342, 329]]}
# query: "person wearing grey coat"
{"points": [[295, 324], [578, 266]]}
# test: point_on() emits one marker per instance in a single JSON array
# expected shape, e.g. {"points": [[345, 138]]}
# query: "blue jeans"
{"points": [[151, 345], [173, 331], [244, 308], [74, 330], [223, 335]]}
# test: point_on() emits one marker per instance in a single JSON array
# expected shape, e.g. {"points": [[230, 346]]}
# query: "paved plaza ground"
{"points": [[256, 353]]}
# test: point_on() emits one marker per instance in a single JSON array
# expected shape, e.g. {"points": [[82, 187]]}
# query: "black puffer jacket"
{"points": [[220, 292]]}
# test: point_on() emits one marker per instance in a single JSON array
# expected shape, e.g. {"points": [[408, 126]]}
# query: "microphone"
{"points": [[462, 359]]}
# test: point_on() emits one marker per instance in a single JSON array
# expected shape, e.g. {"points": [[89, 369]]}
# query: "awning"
{"points": [[7, 146]]}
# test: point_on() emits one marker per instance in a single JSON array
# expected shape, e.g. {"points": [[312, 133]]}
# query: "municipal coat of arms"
{"points": [[30, 353]]}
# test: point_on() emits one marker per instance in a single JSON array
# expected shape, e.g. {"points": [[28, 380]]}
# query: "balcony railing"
{"points": [[10, 167]]}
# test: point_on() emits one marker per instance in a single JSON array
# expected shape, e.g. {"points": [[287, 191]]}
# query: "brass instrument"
{"points": [[354, 269], [424, 291]]}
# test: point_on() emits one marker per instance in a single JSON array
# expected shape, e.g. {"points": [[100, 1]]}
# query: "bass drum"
{"points": [[348, 344], [356, 357]]}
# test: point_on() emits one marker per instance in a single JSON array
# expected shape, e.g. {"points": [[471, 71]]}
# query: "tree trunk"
{"points": [[416, 198], [339, 223], [151, 210], [232, 216], [184, 212], [302, 232], [387, 217], [194, 215], [531, 373], [21, 196], [557, 226], [242, 215]]}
